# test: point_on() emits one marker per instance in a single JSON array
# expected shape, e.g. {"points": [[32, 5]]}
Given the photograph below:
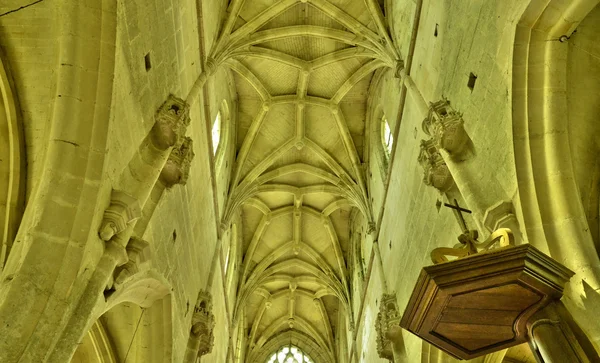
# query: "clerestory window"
{"points": [[216, 132], [386, 135], [290, 354]]}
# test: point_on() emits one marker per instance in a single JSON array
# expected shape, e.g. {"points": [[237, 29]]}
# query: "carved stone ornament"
{"points": [[203, 323], [387, 326], [446, 127], [172, 120], [435, 170], [177, 168], [138, 252], [123, 209]]}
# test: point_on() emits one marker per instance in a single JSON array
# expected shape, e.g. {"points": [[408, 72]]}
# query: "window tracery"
{"points": [[290, 354]]}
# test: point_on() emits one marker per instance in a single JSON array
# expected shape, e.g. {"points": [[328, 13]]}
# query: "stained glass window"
{"points": [[290, 354]]}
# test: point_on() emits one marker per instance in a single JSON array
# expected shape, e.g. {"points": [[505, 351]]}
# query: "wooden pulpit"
{"points": [[483, 303]]}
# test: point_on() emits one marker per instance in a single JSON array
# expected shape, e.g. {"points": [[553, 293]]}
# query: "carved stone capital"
{"points": [[177, 168], [172, 120], [446, 127], [123, 209], [203, 323], [436, 172], [387, 326]]}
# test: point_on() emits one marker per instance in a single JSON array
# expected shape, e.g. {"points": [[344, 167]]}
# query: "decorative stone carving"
{"points": [[446, 127], [203, 322], [172, 120], [138, 252], [436, 173], [387, 326], [123, 209], [177, 168]]}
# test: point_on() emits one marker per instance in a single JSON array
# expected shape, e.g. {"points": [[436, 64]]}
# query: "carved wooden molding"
{"points": [[123, 209], [481, 304]]}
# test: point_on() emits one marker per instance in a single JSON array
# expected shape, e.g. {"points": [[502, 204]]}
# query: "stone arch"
{"points": [[141, 334], [12, 163], [95, 347], [543, 153], [56, 233]]}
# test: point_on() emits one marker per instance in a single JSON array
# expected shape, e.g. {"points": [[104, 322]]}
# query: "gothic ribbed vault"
{"points": [[302, 71]]}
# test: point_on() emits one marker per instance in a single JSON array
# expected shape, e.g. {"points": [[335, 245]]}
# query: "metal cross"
{"points": [[458, 211]]}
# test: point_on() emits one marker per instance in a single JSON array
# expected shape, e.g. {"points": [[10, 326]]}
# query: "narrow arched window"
{"points": [[386, 136], [216, 132], [289, 354]]}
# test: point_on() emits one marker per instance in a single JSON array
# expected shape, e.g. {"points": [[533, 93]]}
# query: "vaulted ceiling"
{"points": [[302, 70]]}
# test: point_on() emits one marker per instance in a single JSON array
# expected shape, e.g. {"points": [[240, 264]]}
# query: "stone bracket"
{"points": [[446, 128], [203, 323], [387, 326], [177, 168]]}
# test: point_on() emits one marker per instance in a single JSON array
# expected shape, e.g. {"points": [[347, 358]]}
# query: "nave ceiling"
{"points": [[302, 72]]}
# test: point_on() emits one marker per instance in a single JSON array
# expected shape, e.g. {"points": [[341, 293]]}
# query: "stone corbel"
{"points": [[446, 127], [436, 172], [172, 120], [203, 322], [177, 168], [138, 253], [123, 209], [387, 325]]}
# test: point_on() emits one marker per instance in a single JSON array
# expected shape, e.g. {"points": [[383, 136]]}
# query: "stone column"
{"points": [[116, 229], [554, 337]]}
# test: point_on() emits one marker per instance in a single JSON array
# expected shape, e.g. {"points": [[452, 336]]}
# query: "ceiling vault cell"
{"points": [[299, 175]]}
